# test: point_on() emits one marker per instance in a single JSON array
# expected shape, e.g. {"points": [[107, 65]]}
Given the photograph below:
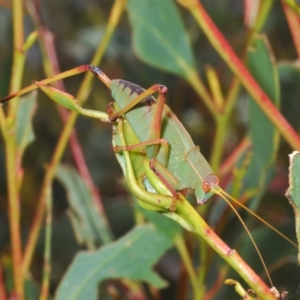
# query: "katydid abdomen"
{"points": [[184, 160]]}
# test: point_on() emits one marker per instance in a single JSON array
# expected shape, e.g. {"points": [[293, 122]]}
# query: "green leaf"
{"points": [[31, 288], [168, 226], [293, 192], [24, 130], [159, 36], [289, 74], [89, 226], [264, 136], [132, 257]]}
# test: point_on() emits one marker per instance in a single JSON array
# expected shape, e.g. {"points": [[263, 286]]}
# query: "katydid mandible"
{"points": [[173, 156]]}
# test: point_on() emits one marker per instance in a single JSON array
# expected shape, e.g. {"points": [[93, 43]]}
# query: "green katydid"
{"points": [[178, 162], [172, 155], [162, 159]]}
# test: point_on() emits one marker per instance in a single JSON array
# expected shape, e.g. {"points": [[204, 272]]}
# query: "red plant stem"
{"points": [[232, 60], [294, 24], [2, 285], [201, 228], [230, 162]]}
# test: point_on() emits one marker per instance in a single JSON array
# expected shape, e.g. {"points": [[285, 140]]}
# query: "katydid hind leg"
{"points": [[164, 175]]}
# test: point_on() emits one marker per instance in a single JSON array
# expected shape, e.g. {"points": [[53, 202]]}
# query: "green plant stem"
{"points": [[231, 59], [197, 84], [82, 95], [219, 139], [47, 252], [14, 214], [181, 248], [13, 159], [203, 265], [201, 229]]}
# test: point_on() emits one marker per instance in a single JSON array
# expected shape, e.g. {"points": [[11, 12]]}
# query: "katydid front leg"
{"points": [[154, 133]]}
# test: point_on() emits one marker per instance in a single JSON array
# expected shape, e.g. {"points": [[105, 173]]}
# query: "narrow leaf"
{"points": [[293, 192], [89, 227], [263, 134], [289, 73], [159, 36], [132, 256], [24, 130]]}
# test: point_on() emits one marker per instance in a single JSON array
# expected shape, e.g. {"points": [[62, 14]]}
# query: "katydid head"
{"points": [[207, 188], [210, 182]]}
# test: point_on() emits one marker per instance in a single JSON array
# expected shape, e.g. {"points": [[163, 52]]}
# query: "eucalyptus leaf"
{"points": [[159, 36], [264, 136], [293, 192], [89, 226], [24, 129], [132, 257], [289, 73]]}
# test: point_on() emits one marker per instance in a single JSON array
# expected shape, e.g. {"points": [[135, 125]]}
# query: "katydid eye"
{"points": [[206, 187]]}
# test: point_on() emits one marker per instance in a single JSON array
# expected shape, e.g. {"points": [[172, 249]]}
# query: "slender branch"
{"points": [[182, 249], [47, 252], [13, 160], [231, 59], [200, 228], [294, 24]]}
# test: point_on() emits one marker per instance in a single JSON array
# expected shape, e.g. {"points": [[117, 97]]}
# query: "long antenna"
{"points": [[257, 216], [223, 196]]}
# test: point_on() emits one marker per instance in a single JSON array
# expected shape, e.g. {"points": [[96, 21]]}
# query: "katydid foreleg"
{"points": [[154, 133]]}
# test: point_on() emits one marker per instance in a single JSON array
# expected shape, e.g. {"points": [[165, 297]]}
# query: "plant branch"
{"points": [[294, 24], [13, 159], [202, 229], [231, 59]]}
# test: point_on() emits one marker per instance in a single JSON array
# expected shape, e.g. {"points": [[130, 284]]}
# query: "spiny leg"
{"points": [[154, 133], [161, 89], [69, 73], [155, 128]]}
